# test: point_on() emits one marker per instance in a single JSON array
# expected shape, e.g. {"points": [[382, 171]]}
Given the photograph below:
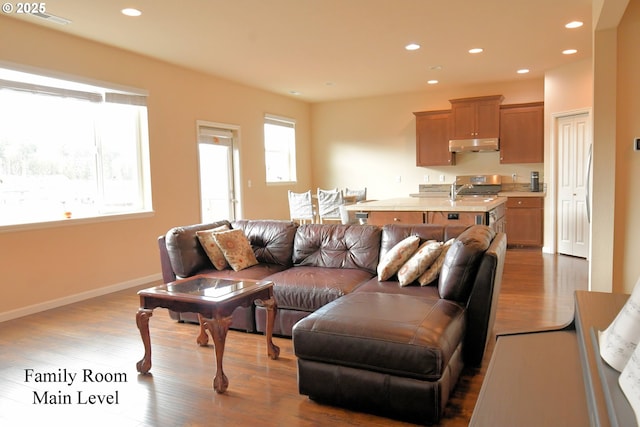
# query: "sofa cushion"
{"points": [[211, 247], [271, 240], [236, 249], [337, 246], [426, 254], [309, 288], [397, 256], [186, 255], [461, 262], [391, 287], [396, 334]]}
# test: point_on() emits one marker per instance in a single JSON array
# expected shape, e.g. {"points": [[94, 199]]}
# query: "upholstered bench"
{"points": [[405, 357]]}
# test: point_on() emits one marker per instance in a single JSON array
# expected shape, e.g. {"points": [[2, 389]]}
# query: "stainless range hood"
{"points": [[473, 145]]}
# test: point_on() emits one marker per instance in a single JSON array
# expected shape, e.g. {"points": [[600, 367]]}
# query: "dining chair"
{"points": [[352, 196], [360, 194], [329, 202], [301, 208]]}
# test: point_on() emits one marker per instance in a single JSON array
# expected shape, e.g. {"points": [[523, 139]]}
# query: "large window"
{"points": [[70, 150], [280, 149]]}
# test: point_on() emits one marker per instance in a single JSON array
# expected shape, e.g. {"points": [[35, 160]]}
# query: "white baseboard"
{"points": [[59, 302]]}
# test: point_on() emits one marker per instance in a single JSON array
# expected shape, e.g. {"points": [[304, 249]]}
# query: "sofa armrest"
{"points": [[483, 301], [168, 274]]}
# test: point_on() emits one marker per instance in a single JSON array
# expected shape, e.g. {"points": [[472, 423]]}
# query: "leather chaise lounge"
{"points": [[360, 342]]}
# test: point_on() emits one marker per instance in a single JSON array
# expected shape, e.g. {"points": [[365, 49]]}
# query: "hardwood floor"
{"points": [[98, 342]]}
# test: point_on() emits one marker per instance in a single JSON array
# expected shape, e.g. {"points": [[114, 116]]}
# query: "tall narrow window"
{"points": [[70, 150], [280, 149]]}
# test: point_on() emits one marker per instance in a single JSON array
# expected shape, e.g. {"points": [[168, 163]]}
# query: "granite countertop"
{"points": [[522, 194], [431, 204]]}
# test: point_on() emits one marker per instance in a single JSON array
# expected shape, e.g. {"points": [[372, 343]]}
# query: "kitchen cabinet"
{"points": [[455, 218], [524, 216], [395, 217], [522, 133], [477, 117], [432, 138]]}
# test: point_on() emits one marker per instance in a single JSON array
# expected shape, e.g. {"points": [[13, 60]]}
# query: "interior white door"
{"points": [[573, 138], [215, 157]]}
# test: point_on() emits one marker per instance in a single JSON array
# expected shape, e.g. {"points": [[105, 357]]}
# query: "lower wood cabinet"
{"points": [[455, 218], [524, 218], [395, 217]]}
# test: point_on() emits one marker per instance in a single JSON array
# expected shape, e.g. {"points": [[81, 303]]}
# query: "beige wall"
{"points": [[567, 90], [371, 141], [362, 142], [627, 161], [80, 259]]}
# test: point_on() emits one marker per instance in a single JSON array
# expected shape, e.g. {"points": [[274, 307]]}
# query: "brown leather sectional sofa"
{"points": [[363, 343]]}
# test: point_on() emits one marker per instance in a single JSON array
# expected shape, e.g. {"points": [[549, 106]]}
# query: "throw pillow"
{"points": [[236, 249], [426, 254], [433, 271], [397, 256], [211, 247]]}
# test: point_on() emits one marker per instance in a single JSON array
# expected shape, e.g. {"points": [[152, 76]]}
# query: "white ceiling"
{"points": [[337, 49]]}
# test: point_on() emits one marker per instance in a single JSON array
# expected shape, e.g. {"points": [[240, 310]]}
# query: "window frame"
{"points": [[271, 119], [66, 85]]}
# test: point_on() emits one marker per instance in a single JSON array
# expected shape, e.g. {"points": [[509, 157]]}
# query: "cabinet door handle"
{"points": [[396, 219]]}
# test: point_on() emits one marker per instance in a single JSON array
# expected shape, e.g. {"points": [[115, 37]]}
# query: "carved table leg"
{"points": [[202, 338], [218, 327], [272, 350], [142, 320]]}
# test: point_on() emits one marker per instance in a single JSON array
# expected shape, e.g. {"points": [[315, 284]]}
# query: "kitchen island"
{"points": [[466, 210]]}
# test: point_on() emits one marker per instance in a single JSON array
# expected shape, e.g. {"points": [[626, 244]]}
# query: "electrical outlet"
{"points": [[425, 178], [514, 177], [441, 178], [398, 179]]}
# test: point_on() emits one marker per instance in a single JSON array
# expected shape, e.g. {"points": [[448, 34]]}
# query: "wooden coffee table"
{"points": [[214, 300]]}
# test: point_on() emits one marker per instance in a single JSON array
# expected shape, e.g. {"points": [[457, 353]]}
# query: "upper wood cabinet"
{"points": [[522, 133], [477, 117], [433, 129]]}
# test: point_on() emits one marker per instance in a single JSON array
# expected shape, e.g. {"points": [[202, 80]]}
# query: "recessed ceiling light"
{"points": [[574, 24], [435, 67], [129, 11], [523, 71], [432, 82], [569, 51], [476, 50], [412, 46]]}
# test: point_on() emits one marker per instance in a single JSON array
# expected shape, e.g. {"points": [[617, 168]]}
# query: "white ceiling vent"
{"points": [[51, 18]]}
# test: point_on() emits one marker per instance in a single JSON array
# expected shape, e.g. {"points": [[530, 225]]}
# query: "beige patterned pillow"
{"points": [[236, 249], [433, 271], [211, 247], [398, 255], [426, 254]]}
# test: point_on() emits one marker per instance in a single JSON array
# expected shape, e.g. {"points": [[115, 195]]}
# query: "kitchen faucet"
{"points": [[455, 191]]}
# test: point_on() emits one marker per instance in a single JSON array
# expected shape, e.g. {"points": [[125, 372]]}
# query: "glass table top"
{"points": [[207, 288]]}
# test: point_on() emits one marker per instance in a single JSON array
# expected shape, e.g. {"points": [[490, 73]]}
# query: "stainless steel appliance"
{"points": [[483, 186], [477, 185], [473, 145]]}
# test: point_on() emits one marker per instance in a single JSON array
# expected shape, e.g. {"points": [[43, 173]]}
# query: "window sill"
{"points": [[75, 221]]}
